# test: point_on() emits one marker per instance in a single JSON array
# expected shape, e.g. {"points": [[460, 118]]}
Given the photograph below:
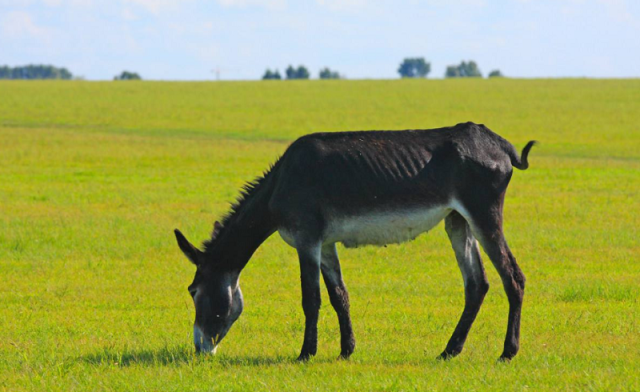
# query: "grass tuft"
{"points": [[599, 291]]}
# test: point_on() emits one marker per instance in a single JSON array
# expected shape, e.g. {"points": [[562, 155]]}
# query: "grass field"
{"points": [[95, 176]]}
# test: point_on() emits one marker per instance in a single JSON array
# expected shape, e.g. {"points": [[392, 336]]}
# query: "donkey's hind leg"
{"points": [[476, 284], [339, 297], [487, 226]]}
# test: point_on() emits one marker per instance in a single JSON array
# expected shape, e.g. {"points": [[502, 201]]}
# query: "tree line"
{"points": [[413, 67], [301, 72], [34, 72], [126, 75], [418, 67]]}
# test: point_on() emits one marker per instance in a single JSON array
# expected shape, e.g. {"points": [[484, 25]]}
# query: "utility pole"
{"points": [[218, 71]]}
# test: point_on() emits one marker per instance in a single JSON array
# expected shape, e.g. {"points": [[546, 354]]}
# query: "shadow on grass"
{"points": [[179, 355], [128, 357]]}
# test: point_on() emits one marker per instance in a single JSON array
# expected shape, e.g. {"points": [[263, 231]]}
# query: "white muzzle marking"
{"points": [[203, 344]]}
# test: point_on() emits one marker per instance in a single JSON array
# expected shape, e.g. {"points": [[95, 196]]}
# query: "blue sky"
{"points": [[187, 39]]}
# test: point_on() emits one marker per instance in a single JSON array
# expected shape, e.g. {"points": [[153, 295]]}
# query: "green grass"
{"points": [[95, 176]]}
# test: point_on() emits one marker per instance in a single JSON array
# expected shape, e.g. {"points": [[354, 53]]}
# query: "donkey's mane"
{"points": [[247, 193]]}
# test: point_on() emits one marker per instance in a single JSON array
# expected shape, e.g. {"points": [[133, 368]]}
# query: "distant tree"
{"points": [[268, 75], [326, 73], [414, 68], [126, 75], [297, 73], [34, 72], [496, 74], [452, 72], [303, 72], [290, 72], [65, 74], [464, 70]]}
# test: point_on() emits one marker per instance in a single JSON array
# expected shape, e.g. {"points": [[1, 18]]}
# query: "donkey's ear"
{"points": [[192, 253]]}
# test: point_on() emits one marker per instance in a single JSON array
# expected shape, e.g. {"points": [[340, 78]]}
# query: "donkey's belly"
{"points": [[381, 228]]}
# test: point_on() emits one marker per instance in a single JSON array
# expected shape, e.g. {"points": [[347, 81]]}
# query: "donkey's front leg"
{"points": [[339, 297], [310, 258]]}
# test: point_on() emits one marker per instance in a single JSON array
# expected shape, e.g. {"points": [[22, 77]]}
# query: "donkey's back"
{"points": [[381, 187]]}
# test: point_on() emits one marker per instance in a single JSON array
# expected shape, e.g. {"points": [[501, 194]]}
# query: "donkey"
{"points": [[365, 188]]}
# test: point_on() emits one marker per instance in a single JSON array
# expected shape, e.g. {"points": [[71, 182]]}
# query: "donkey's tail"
{"points": [[521, 162]]}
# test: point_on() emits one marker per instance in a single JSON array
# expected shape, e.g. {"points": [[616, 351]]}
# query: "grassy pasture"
{"points": [[95, 176]]}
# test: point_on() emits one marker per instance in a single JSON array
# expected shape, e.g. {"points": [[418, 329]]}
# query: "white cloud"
{"points": [[618, 10], [20, 4], [342, 5], [461, 3], [15, 3], [19, 23], [155, 6], [127, 14], [271, 4]]}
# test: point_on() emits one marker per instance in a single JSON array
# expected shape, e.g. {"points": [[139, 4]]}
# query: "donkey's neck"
{"points": [[244, 229]]}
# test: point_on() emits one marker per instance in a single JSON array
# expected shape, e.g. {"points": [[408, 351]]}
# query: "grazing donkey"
{"points": [[361, 188]]}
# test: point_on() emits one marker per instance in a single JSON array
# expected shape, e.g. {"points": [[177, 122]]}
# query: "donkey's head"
{"points": [[216, 295]]}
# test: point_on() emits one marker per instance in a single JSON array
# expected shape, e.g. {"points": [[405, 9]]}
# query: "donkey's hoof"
{"points": [[505, 358], [507, 355], [304, 357], [447, 355], [346, 352], [344, 356]]}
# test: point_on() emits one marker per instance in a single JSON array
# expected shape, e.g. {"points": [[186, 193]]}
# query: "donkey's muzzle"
{"points": [[204, 344]]}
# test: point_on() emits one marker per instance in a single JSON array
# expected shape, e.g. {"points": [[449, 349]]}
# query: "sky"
{"points": [[361, 39]]}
